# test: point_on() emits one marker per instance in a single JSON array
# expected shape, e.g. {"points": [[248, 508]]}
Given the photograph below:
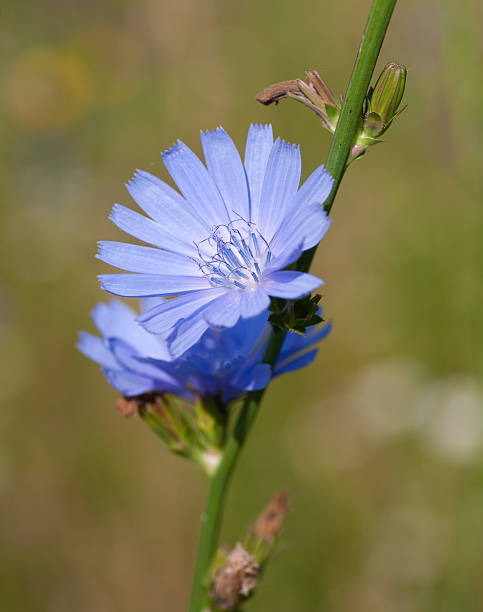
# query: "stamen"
{"points": [[239, 254]]}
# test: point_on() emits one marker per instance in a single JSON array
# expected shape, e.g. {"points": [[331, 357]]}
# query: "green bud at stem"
{"points": [[384, 99]]}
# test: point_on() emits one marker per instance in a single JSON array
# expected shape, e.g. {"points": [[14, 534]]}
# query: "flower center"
{"points": [[239, 253]]}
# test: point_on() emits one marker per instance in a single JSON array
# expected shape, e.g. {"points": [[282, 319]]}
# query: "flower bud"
{"points": [[384, 99], [178, 427]]}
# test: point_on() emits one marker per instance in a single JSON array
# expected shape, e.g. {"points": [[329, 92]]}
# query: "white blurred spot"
{"points": [[451, 418]]}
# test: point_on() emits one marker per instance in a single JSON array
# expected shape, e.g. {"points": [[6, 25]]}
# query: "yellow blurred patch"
{"points": [[47, 89]]}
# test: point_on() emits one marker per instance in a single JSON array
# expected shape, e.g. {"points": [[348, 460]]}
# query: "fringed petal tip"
{"points": [[175, 148], [218, 129], [286, 144], [261, 126], [112, 214]]}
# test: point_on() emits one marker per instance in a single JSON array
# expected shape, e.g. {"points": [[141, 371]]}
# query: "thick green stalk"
{"points": [[342, 142]]}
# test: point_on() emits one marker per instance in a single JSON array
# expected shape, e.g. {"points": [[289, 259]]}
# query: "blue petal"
{"points": [[168, 207], [148, 231], [128, 358], [304, 228], [256, 377], [195, 183], [186, 333], [305, 222], [140, 285], [148, 369], [147, 303], [95, 348], [283, 257], [253, 302], [290, 284], [295, 364], [112, 318], [225, 166], [224, 311], [315, 189], [135, 258], [129, 384], [281, 182], [117, 320], [257, 151], [162, 318]]}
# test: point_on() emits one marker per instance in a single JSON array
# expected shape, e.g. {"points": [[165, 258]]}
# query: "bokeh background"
{"points": [[380, 442]]}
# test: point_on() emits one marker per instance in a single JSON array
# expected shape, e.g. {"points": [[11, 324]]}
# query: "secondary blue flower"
{"points": [[222, 245], [224, 362]]}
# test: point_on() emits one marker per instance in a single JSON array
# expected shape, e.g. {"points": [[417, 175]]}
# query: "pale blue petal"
{"points": [[129, 384], [289, 284], [224, 311], [113, 318], [95, 348], [315, 189], [280, 185], [149, 231], [226, 168], [304, 227], [117, 320], [295, 364], [186, 333], [127, 357], [130, 360], [284, 258], [305, 222], [195, 183], [136, 258], [140, 285], [257, 151], [162, 318], [253, 302], [148, 303], [167, 206]]}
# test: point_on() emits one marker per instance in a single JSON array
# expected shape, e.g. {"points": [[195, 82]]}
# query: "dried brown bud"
{"points": [[235, 580], [278, 91], [269, 521], [316, 81], [315, 94]]}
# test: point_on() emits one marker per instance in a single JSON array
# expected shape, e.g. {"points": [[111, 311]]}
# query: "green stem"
{"points": [[344, 136], [211, 519]]}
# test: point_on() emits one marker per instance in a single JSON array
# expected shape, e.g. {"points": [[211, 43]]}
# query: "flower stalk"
{"points": [[342, 143]]}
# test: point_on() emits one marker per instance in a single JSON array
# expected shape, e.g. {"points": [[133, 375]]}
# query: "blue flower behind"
{"points": [[224, 363], [222, 245]]}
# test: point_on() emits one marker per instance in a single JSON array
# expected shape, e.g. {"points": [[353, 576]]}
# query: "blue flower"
{"points": [[224, 363], [222, 245]]}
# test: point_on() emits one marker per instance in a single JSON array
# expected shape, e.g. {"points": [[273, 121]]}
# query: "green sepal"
{"points": [[296, 315], [211, 418], [333, 114], [195, 434]]}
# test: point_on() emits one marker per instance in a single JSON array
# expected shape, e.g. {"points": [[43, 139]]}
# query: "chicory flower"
{"points": [[224, 363], [221, 247]]}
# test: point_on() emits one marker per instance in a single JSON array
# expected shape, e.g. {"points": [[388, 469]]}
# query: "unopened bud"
{"points": [[384, 99], [269, 522]]}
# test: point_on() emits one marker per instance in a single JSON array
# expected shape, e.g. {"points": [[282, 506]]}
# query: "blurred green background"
{"points": [[380, 442]]}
